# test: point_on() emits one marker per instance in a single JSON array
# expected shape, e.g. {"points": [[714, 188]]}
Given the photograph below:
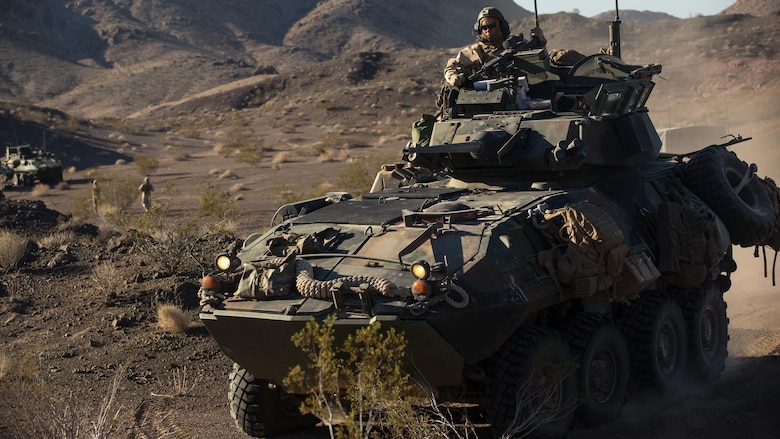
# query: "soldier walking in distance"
{"points": [[146, 189], [95, 195]]}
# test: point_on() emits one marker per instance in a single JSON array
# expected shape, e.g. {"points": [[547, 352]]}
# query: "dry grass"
{"points": [[13, 247], [108, 280], [236, 188], [279, 158], [57, 239], [228, 175], [180, 383], [5, 365], [172, 319], [40, 190]]}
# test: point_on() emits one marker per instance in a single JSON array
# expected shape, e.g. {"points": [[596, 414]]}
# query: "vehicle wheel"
{"points": [[600, 348], [714, 174], [261, 409], [531, 386], [708, 335], [657, 340], [17, 180]]}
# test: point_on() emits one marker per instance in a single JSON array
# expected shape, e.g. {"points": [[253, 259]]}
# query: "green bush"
{"points": [[358, 177], [145, 165], [114, 196], [217, 203], [362, 381]]}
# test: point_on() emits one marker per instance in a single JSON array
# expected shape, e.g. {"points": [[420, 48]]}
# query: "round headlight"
{"points": [[420, 288], [421, 269], [224, 262], [209, 283]]}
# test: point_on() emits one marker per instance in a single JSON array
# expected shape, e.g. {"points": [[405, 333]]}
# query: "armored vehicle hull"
{"points": [[518, 238], [25, 166]]}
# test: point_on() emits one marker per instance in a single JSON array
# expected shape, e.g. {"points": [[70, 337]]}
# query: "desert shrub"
{"points": [[145, 165], [359, 175], [250, 154], [228, 174], [217, 203], [172, 318], [29, 409], [57, 239], [13, 247], [82, 208], [114, 196], [107, 280], [40, 190], [366, 373], [279, 158], [180, 383], [167, 239]]}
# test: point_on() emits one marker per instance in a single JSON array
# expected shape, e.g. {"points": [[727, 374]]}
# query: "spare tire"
{"points": [[715, 175]]}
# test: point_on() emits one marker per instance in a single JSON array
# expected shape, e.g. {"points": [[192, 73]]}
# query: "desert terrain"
{"points": [[319, 89]]}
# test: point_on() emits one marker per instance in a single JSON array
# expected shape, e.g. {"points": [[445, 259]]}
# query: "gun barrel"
{"points": [[447, 148]]}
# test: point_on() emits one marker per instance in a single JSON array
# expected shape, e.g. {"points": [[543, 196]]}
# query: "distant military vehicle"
{"points": [[538, 225], [24, 166]]}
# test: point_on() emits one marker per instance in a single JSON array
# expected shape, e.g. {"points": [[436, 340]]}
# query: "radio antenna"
{"points": [[536, 14], [614, 33]]}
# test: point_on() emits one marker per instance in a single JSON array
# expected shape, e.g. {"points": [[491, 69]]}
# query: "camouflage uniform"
{"points": [[146, 194], [468, 61], [471, 58]]}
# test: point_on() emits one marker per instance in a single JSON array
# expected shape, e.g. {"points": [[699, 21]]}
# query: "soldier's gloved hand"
{"points": [[537, 36]]}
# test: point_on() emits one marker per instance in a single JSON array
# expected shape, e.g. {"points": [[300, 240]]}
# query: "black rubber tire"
{"points": [[708, 333], [712, 174], [600, 349], [531, 349], [262, 410], [657, 340]]}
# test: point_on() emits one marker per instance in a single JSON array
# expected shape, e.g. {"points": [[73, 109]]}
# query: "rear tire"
{"points": [[600, 347], [261, 409], [708, 334], [534, 362], [657, 340]]}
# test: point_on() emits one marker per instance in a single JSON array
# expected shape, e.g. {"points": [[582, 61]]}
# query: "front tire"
{"points": [[261, 409], [531, 386], [657, 340], [600, 348]]}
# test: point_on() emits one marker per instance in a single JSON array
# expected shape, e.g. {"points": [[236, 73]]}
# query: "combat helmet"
{"points": [[495, 13]]}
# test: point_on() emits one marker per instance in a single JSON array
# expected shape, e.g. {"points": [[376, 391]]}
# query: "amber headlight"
{"points": [[225, 262], [421, 269]]}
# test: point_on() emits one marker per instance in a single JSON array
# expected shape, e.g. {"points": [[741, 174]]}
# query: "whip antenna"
{"points": [[614, 33], [536, 14]]}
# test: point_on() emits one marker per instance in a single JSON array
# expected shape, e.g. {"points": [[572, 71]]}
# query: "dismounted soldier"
{"points": [[95, 195], [146, 189]]}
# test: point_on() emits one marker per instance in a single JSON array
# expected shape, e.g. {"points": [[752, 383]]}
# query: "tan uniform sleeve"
{"points": [[466, 61]]}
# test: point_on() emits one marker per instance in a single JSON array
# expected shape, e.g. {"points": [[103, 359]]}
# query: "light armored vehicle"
{"points": [[535, 225], [24, 166]]}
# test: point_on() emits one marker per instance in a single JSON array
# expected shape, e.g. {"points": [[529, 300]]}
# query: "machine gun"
{"points": [[504, 60]]}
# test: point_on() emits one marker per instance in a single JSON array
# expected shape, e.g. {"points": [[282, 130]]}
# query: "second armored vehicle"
{"points": [[25, 166]]}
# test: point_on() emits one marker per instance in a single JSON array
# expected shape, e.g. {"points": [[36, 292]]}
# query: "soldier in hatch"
{"points": [[491, 30]]}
